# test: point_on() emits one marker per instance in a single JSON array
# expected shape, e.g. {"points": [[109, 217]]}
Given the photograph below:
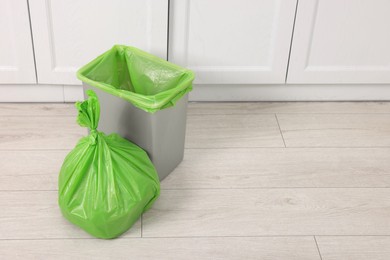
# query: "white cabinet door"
{"points": [[232, 41], [68, 34], [341, 41], [16, 53]]}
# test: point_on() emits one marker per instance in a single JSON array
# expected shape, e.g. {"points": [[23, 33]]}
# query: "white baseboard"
{"points": [[71, 93], [290, 93], [31, 93], [40, 93]]}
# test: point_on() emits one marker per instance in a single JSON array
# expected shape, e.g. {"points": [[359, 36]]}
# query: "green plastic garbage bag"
{"points": [[146, 81], [106, 182]]}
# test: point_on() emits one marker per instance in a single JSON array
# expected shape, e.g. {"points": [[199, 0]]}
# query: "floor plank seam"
{"points": [[184, 237], [142, 225], [33, 116], [325, 113], [353, 235], [262, 188], [243, 188], [280, 131], [221, 148], [288, 147], [284, 113], [318, 248], [33, 150]]}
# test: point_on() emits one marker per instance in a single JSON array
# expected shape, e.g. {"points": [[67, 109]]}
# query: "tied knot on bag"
{"points": [[88, 115], [93, 136]]}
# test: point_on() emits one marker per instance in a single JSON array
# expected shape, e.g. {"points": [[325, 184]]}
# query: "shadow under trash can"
{"points": [[144, 99]]}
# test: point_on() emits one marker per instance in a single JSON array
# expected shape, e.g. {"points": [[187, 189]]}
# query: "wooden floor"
{"points": [[258, 181]]}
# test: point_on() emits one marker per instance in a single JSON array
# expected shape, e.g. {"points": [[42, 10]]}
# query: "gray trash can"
{"points": [[161, 131]]}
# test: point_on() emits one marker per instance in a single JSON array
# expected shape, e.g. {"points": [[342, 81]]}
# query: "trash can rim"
{"points": [[150, 102]]}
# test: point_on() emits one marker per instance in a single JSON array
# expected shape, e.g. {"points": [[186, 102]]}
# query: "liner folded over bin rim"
{"points": [[148, 103]]}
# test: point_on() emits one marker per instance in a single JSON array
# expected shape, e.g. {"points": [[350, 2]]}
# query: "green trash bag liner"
{"points": [[105, 182], [148, 82]]}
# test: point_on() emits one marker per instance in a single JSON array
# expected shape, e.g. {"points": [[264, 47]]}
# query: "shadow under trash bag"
{"points": [[106, 182]]}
